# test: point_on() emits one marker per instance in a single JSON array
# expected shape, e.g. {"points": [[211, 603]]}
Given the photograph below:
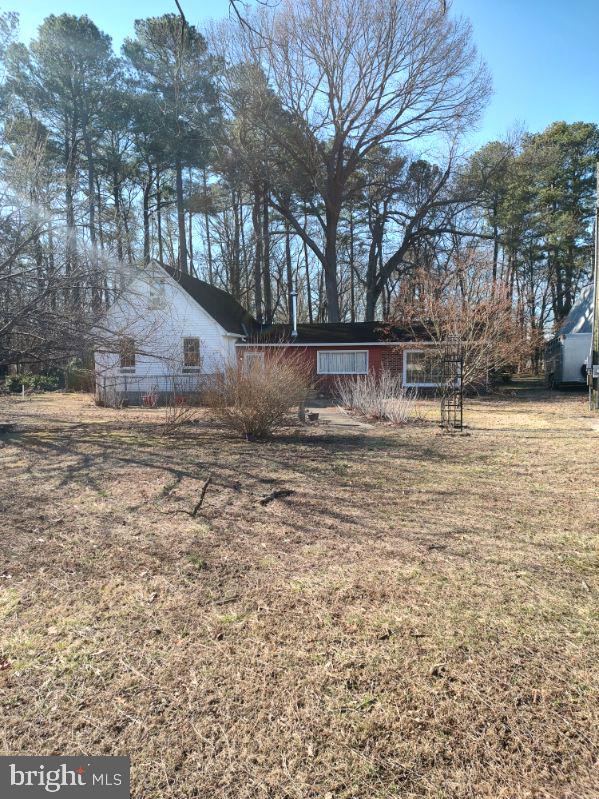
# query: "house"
{"points": [[164, 334], [168, 333], [567, 353], [336, 349]]}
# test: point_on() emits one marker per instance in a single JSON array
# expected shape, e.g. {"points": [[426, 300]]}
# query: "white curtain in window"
{"points": [[342, 362]]}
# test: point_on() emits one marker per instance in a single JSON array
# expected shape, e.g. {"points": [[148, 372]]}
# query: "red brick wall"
{"points": [[379, 357], [392, 360]]}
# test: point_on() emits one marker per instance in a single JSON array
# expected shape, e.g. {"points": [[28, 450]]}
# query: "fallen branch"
{"points": [[198, 504], [279, 494]]}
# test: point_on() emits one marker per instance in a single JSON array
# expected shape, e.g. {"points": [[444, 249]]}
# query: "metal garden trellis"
{"points": [[452, 387]]}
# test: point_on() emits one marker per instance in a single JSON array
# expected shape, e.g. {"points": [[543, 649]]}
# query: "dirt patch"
{"points": [[417, 619]]}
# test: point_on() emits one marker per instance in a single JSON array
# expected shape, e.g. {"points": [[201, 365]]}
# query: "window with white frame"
{"points": [[342, 362], [191, 354], [421, 368], [127, 354], [253, 361]]}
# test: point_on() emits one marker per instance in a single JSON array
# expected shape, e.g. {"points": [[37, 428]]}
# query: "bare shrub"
{"points": [[255, 400], [184, 398], [378, 397]]}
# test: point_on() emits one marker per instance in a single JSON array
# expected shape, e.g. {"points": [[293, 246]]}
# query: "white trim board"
{"points": [[346, 345]]}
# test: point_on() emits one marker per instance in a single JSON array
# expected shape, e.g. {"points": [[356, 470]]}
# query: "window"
{"points": [[156, 293], [127, 355], [191, 353], [342, 362], [421, 368], [252, 361]]}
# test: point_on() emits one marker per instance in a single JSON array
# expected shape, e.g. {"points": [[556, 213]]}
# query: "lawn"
{"points": [[417, 619]]}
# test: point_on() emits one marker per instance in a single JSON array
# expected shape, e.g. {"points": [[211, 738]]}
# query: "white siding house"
{"points": [[567, 354], [169, 331]]}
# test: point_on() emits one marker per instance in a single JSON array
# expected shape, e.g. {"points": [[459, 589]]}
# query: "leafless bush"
{"points": [[255, 401], [378, 397], [182, 403]]}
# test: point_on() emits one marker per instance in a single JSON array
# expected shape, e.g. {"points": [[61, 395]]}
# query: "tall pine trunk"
{"points": [[146, 216], [207, 226], [257, 225], [235, 277], [266, 257], [159, 218], [182, 258]]}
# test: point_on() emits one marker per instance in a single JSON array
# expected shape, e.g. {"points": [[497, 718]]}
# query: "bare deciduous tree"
{"points": [[351, 76], [467, 303]]}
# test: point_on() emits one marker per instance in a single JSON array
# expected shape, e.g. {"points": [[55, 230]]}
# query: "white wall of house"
{"points": [[158, 314]]}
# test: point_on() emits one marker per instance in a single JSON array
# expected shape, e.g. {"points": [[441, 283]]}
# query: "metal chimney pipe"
{"points": [[293, 298]]}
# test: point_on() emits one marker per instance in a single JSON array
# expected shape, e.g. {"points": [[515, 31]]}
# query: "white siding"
{"points": [[576, 349], [158, 314]]}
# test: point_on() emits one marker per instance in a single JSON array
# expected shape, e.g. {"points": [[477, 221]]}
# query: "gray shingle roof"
{"points": [[221, 306], [580, 318]]}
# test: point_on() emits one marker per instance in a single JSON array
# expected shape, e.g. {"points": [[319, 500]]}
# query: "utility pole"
{"points": [[593, 372]]}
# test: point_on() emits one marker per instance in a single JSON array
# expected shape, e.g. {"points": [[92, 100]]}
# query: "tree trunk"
{"points": [[117, 216], [146, 216], [99, 205], [289, 267], [307, 267], [70, 212], [235, 277], [495, 242], [266, 258], [159, 217], [91, 195], [352, 286], [191, 266], [373, 285], [182, 257], [207, 224], [256, 223], [51, 264], [190, 221], [330, 265]]}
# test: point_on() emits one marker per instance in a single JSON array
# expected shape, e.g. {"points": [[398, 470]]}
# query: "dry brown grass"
{"points": [[419, 619]]}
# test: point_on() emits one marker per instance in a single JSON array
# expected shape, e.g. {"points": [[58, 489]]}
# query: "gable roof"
{"points": [[336, 333], [580, 318], [219, 304]]}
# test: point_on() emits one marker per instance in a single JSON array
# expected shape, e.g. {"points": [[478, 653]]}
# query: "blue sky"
{"points": [[543, 54]]}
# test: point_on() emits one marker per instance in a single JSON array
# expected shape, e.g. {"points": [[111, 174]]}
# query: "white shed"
{"points": [[567, 353]]}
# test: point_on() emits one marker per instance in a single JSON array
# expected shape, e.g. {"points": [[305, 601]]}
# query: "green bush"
{"points": [[15, 383]]}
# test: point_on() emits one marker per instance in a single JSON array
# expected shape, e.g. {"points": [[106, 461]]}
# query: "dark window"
{"points": [[191, 353], [127, 353]]}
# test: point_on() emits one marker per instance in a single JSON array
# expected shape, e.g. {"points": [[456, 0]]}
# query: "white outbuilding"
{"points": [[567, 353]]}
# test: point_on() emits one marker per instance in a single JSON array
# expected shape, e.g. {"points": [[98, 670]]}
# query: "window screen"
{"points": [[422, 368], [343, 362], [253, 361], [127, 353], [191, 353]]}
